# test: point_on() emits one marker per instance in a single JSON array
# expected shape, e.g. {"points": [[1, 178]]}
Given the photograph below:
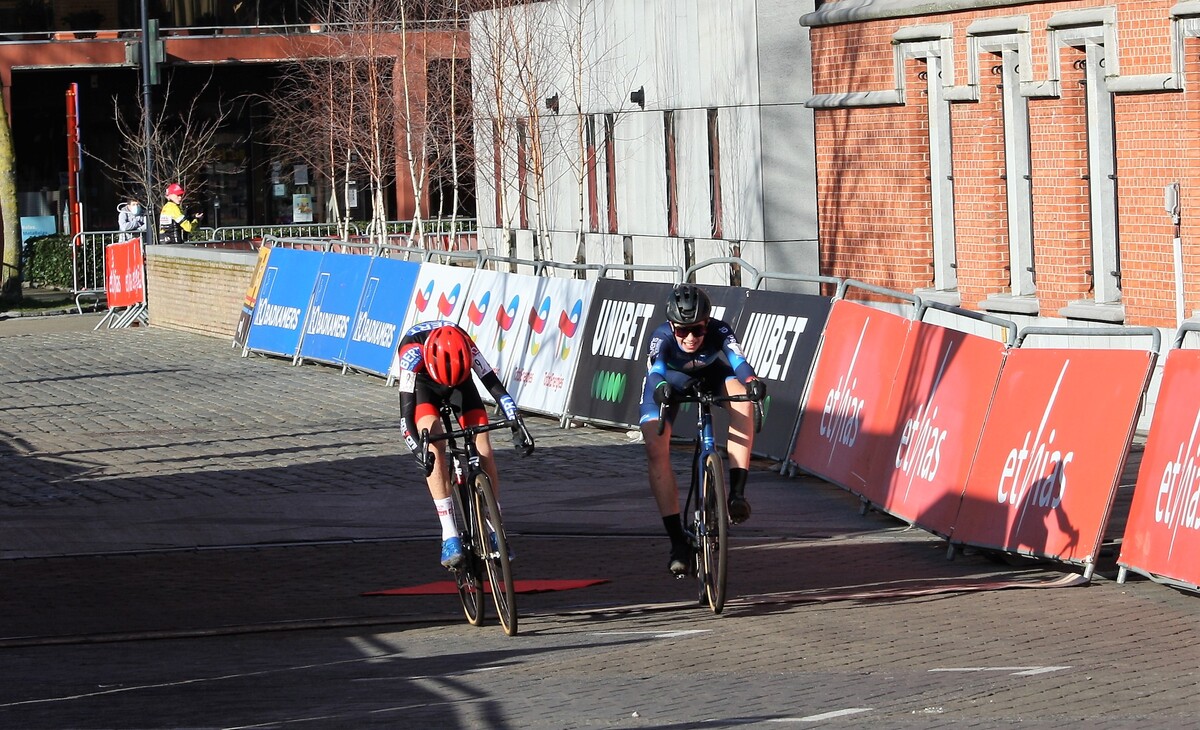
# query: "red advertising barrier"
{"points": [[1052, 450], [1162, 534], [932, 424], [842, 425], [124, 285]]}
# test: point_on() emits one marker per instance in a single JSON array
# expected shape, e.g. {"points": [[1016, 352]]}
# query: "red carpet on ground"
{"points": [[521, 586]]}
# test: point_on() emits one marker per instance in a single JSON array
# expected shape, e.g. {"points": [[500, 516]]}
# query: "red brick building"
{"points": [[1013, 157]]}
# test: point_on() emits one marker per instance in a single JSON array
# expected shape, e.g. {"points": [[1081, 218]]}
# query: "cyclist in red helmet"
{"points": [[436, 362]]}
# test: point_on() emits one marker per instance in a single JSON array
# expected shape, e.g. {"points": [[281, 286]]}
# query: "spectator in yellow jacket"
{"points": [[173, 224]]}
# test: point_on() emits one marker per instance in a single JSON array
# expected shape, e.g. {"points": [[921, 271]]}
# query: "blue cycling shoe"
{"points": [[452, 552], [512, 555]]}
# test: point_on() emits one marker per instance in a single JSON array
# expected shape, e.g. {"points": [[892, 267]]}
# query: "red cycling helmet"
{"points": [[447, 355]]}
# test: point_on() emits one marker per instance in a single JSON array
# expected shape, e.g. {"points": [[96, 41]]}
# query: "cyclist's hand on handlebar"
{"points": [[522, 441], [662, 393], [756, 390]]}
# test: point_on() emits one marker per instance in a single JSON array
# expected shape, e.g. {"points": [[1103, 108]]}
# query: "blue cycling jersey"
{"points": [[720, 345], [718, 357]]}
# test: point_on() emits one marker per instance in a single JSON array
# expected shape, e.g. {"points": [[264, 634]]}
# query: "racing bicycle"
{"points": [[485, 544], [706, 511]]}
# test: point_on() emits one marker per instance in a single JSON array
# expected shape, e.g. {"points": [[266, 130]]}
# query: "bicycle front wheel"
{"points": [[469, 576], [712, 533], [495, 555]]}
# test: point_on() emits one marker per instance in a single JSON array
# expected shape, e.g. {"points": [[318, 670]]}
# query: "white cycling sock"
{"points": [[445, 510]]}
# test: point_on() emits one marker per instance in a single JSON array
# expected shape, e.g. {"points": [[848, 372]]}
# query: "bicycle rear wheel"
{"points": [[469, 576], [495, 553], [712, 534]]}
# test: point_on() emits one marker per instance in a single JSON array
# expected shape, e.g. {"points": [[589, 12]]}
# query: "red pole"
{"points": [[73, 216]]}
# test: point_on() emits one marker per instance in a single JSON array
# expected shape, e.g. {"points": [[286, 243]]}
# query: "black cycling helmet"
{"points": [[688, 304]]}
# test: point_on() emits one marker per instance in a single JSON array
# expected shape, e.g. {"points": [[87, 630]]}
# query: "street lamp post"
{"points": [[147, 126]]}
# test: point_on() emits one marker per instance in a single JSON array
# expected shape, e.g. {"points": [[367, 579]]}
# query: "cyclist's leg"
{"points": [[738, 447], [474, 413], [438, 481], [663, 484]]}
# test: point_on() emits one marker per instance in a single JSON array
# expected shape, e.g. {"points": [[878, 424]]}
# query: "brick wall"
{"points": [[873, 162], [197, 289]]}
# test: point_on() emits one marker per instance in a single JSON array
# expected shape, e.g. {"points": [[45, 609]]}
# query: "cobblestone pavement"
{"points": [[186, 536]]}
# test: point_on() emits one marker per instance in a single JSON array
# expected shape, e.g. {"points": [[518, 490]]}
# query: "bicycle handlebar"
{"points": [[691, 395], [470, 430]]}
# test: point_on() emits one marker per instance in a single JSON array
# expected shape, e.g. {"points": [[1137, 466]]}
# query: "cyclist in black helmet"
{"points": [[691, 346]]}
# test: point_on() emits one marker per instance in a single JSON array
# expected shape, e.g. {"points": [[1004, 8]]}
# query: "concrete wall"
{"points": [[745, 63], [197, 289]]}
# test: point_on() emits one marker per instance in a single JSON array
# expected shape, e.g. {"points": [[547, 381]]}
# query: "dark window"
{"points": [[672, 187], [714, 174]]}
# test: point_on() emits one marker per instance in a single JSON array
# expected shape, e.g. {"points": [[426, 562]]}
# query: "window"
{"points": [[590, 170], [1018, 182], [941, 179], [610, 169], [672, 186], [714, 174], [1102, 180], [522, 172], [498, 174]]}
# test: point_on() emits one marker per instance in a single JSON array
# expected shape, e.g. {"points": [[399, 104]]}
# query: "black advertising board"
{"points": [[608, 379], [780, 333], [621, 318]]}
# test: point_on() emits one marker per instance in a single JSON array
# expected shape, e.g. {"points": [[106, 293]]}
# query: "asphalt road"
{"points": [[186, 538]]}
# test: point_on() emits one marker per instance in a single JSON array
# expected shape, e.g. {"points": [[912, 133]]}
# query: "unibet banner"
{"points": [[334, 302], [608, 382], [779, 333], [541, 376], [381, 311], [1162, 533], [283, 298], [496, 315]]}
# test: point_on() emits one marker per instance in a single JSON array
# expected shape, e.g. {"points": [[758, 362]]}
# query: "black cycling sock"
{"points": [[674, 529], [737, 482]]}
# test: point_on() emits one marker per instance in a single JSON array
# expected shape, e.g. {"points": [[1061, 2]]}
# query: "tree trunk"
{"points": [[10, 270]]}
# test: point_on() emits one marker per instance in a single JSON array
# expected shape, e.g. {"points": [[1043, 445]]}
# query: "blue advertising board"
{"points": [[381, 311], [339, 287], [283, 298]]}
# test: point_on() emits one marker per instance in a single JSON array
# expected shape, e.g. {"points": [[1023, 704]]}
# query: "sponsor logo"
{"points": [[771, 341], [920, 451], [621, 329], [537, 322], [505, 318], [424, 297], [373, 331], [1178, 501], [609, 386], [327, 324], [276, 315], [476, 311], [568, 324], [841, 419], [446, 303], [1036, 473]]}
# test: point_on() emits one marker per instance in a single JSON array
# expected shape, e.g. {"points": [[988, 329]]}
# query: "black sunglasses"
{"points": [[697, 329]]}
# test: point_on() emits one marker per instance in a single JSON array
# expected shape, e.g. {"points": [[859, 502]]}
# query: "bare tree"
{"points": [[182, 142]]}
